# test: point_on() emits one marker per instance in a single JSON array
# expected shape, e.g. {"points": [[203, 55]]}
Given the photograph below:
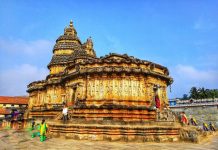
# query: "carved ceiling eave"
{"points": [[36, 82], [56, 64], [96, 61], [115, 70], [132, 59], [36, 87], [100, 71], [55, 75]]}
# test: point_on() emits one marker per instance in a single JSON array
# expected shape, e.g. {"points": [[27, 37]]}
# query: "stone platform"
{"points": [[118, 131], [117, 123]]}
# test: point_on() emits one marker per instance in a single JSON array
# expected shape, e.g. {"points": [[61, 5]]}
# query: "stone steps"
{"points": [[114, 132], [114, 114]]}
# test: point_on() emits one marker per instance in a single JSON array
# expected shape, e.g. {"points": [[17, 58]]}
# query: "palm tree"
{"points": [[202, 93], [194, 93]]}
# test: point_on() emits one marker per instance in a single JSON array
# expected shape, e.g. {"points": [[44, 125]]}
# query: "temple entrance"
{"points": [[73, 100]]}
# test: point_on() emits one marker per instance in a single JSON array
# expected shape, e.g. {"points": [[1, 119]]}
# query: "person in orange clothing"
{"points": [[184, 118]]}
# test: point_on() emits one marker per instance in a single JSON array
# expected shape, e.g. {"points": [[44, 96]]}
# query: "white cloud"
{"points": [[191, 73], [17, 55], [186, 77], [14, 81], [203, 24], [26, 47]]}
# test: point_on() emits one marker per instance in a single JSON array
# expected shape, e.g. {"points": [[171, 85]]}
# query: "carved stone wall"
{"points": [[77, 75], [116, 88], [97, 89]]}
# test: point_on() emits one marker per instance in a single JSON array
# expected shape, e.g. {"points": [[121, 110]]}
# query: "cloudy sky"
{"points": [[181, 35]]}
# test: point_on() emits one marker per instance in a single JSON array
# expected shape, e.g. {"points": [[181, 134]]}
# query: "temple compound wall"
{"points": [[202, 110]]}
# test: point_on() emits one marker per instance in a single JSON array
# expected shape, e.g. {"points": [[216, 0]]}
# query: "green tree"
{"points": [[202, 93], [207, 93], [215, 93], [185, 96], [194, 93]]}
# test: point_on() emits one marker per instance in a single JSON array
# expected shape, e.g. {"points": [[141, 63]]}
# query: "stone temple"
{"points": [[109, 98]]}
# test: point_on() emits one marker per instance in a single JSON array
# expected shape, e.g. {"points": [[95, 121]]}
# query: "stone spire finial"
{"points": [[71, 23], [70, 30]]}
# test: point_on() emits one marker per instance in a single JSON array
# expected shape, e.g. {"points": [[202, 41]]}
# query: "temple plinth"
{"points": [[115, 96]]}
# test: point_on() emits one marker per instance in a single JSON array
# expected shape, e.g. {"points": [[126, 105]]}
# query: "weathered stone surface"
{"points": [[127, 133], [114, 98], [189, 135], [78, 77]]}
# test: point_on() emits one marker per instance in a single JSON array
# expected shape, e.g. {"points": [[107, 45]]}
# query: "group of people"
{"points": [[42, 128], [185, 121], [211, 127]]}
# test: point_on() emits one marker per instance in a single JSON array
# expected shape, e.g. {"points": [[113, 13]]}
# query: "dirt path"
{"points": [[10, 139]]}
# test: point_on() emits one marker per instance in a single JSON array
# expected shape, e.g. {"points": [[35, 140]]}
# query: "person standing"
{"points": [[157, 101], [184, 119], [212, 128], [43, 129], [65, 113], [205, 127], [193, 121]]}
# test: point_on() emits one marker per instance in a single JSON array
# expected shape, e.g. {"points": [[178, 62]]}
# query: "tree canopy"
{"points": [[201, 93]]}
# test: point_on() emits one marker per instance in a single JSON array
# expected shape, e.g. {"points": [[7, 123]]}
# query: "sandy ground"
{"points": [[22, 140]]}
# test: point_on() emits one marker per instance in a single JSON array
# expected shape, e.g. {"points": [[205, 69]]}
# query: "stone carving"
{"points": [[165, 115], [116, 88], [115, 79]]}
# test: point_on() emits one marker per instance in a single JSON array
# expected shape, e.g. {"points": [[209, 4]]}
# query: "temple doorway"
{"points": [[73, 100]]}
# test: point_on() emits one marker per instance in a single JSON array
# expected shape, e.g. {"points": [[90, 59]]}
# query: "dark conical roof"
{"points": [[59, 59], [69, 41], [66, 45], [79, 54]]}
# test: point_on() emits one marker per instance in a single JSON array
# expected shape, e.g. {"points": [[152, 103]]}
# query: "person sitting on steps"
{"points": [[212, 128], [205, 127]]}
